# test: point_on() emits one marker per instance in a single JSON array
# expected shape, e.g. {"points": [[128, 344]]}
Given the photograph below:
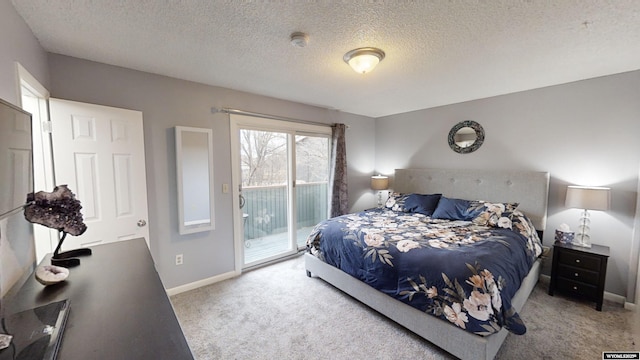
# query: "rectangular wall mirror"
{"points": [[194, 165]]}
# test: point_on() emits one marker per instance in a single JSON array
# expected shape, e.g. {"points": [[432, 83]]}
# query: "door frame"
{"points": [[255, 122], [45, 239]]}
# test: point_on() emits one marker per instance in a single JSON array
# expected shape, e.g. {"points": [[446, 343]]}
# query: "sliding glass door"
{"points": [[312, 183], [264, 191], [281, 177]]}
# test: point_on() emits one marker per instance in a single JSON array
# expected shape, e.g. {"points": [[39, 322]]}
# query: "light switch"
{"points": [[225, 188]]}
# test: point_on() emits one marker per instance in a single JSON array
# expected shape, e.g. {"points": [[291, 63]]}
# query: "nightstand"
{"points": [[579, 271]]}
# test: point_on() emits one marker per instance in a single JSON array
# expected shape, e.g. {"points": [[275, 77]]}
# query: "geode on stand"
{"points": [[58, 210]]}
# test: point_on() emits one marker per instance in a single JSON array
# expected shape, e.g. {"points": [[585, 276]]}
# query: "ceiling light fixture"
{"points": [[363, 60]]}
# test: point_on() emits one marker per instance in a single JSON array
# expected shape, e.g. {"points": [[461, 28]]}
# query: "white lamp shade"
{"points": [[590, 198], [379, 182]]}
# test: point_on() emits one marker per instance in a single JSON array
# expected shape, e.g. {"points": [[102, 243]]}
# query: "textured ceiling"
{"points": [[437, 52]]}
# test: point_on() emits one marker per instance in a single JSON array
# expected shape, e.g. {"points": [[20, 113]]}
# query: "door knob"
{"points": [[141, 223]]}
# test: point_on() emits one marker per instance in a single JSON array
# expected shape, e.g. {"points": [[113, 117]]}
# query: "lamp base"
{"points": [[380, 204], [584, 245], [583, 239]]}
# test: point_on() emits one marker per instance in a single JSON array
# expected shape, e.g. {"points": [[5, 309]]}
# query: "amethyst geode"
{"points": [[57, 210]]}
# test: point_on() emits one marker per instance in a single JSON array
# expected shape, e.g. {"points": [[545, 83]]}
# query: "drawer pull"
{"points": [[578, 261]]}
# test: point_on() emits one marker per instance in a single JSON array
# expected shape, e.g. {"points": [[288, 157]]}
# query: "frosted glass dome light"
{"points": [[363, 60]]}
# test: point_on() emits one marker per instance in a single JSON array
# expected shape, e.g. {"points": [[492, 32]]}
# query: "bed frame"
{"points": [[530, 189]]}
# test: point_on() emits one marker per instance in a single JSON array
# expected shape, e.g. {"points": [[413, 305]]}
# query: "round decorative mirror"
{"points": [[466, 137]]}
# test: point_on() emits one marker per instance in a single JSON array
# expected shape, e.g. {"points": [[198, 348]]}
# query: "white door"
{"points": [[98, 151]]}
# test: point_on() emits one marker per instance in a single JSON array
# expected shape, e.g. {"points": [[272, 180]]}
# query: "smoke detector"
{"points": [[299, 39]]}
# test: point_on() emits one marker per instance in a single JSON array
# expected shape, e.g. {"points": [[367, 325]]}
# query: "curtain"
{"points": [[338, 172]]}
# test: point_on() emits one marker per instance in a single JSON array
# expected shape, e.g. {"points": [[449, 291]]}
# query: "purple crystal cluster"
{"points": [[58, 210]]}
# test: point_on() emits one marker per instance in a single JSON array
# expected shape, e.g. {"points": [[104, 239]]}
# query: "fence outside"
{"points": [[266, 208]]}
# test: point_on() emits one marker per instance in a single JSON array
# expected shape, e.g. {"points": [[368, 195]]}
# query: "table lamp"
{"points": [[379, 182], [587, 198]]}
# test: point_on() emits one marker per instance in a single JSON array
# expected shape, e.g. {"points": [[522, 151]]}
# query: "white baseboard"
{"points": [[214, 279], [615, 298], [200, 283]]}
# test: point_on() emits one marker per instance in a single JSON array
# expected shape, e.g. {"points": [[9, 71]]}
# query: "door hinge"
{"points": [[47, 127]]}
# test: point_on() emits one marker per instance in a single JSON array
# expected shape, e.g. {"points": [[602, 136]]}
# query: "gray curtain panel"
{"points": [[338, 180]]}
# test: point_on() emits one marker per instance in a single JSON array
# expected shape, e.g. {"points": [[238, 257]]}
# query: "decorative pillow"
{"points": [[518, 222], [514, 220], [491, 212], [456, 209], [505, 221], [422, 204], [396, 201]]}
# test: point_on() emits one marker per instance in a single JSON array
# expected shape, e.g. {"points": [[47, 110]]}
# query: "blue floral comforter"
{"points": [[458, 271]]}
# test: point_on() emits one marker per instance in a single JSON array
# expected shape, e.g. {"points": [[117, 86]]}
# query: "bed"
{"points": [[424, 299]]}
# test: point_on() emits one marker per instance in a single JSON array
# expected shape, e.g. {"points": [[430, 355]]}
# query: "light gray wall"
{"points": [[17, 43], [167, 102], [582, 133]]}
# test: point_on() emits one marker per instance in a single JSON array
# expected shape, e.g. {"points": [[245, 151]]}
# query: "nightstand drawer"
{"points": [[578, 288], [580, 260], [578, 274], [579, 271]]}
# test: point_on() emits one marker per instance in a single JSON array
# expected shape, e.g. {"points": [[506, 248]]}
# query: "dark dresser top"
{"points": [[594, 249], [119, 308]]}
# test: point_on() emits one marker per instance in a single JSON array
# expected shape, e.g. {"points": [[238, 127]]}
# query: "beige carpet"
{"points": [[277, 312]]}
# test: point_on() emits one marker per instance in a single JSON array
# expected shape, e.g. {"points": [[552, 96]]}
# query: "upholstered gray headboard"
{"points": [[530, 189]]}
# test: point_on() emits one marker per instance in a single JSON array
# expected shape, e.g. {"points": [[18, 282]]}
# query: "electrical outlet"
{"points": [[179, 259]]}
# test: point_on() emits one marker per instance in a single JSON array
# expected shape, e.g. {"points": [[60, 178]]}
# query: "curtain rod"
{"points": [[215, 110]]}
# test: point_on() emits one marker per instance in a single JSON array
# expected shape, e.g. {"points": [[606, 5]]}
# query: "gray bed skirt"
{"points": [[443, 334]]}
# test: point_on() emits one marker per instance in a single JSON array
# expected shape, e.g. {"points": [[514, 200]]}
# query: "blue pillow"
{"points": [[422, 204], [455, 209]]}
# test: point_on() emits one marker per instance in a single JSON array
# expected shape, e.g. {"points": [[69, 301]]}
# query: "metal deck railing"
{"points": [[265, 220]]}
